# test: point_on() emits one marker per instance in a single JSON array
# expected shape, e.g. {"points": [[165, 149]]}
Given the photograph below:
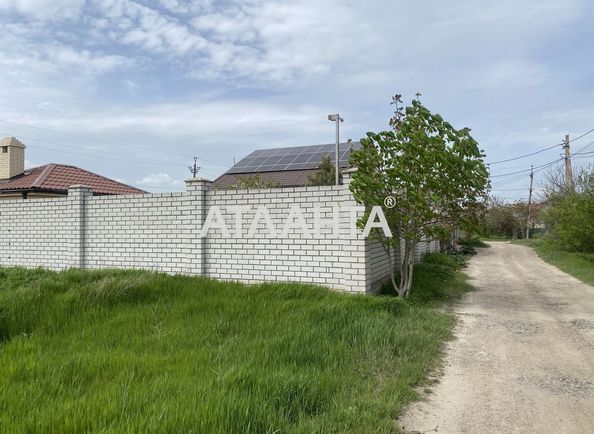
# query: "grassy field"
{"points": [[129, 351], [579, 265]]}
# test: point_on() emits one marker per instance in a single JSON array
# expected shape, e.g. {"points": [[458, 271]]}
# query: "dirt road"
{"points": [[523, 357]]}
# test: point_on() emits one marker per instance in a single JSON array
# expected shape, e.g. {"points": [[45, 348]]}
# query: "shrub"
{"points": [[572, 220], [434, 278], [459, 257], [439, 271], [467, 250], [441, 259], [472, 242]]}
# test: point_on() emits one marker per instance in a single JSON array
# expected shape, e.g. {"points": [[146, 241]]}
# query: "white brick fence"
{"points": [[161, 232]]}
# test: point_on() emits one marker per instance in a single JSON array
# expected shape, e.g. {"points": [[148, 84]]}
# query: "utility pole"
{"points": [[194, 169], [529, 203], [568, 169]]}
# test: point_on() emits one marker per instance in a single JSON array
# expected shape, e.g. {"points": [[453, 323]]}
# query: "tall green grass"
{"points": [[579, 265], [132, 351]]}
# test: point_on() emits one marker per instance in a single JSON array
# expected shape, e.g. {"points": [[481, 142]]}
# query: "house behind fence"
{"points": [[162, 232]]}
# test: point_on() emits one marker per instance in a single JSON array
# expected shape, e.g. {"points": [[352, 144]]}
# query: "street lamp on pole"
{"points": [[336, 118]]}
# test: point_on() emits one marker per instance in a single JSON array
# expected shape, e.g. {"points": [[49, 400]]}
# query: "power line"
{"points": [[510, 173], [512, 180], [583, 135], [524, 156], [526, 170], [145, 148], [85, 137], [587, 146], [513, 189], [543, 150], [146, 161]]}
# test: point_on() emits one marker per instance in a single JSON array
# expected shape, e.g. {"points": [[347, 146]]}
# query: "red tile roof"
{"points": [[56, 178]]}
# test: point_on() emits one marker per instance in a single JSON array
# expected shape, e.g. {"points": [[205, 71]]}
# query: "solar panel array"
{"points": [[294, 158]]}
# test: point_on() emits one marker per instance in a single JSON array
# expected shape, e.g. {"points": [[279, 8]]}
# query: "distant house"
{"points": [[287, 167], [50, 179]]}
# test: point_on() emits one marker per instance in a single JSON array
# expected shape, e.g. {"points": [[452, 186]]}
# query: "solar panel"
{"points": [[292, 158], [287, 159]]}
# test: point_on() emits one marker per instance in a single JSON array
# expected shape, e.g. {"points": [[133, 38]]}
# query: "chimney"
{"points": [[12, 158]]}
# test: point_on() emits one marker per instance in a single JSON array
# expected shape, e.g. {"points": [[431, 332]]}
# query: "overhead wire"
{"points": [[526, 170], [148, 160], [127, 145], [583, 135], [524, 156], [127, 159], [534, 170], [541, 150], [512, 189], [585, 147]]}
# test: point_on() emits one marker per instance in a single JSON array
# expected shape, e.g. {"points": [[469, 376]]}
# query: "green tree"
{"points": [[325, 173], [505, 219], [571, 217], [434, 173]]}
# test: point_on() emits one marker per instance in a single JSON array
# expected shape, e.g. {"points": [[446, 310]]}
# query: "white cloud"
{"points": [[29, 50], [156, 179], [161, 181], [219, 79], [44, 9], [147, 28]]}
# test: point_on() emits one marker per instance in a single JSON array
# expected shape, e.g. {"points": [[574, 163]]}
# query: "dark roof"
{"points": [[287, 167], [56, 178], [288, 178], [292, 158]]}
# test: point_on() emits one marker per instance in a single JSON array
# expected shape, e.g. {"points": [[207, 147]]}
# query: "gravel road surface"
{"points": [[522, 360]]}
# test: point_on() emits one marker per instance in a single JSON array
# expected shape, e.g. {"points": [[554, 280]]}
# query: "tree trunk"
{"points": [[442, 246], [406, 269], [392, 267]]}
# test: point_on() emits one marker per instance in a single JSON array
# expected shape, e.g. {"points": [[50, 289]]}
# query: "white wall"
{"points": [[37, 233], [378, 264], [161, 232], [148, 231], [338, 262]]}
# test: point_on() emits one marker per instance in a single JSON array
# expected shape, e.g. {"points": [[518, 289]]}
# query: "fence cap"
{"points": [[197, 179]]}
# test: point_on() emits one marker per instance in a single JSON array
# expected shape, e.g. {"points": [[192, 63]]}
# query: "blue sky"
{"points": [[140, 87]]}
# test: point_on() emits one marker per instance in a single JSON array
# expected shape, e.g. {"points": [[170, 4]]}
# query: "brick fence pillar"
{"points": [[196, 209], [77, 198], [353, 255]]}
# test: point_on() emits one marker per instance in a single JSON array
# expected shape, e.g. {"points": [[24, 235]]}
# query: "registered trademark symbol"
{"points": [[389, 202]]}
